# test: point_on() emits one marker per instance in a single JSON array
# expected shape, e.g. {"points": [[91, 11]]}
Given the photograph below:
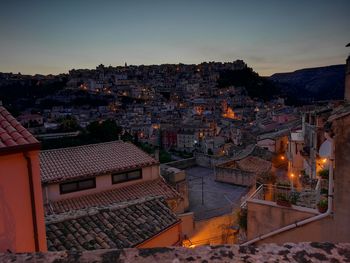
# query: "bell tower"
{"points": [[347, 78]]}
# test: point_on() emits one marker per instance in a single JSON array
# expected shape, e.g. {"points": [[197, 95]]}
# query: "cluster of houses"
{"points": [[107, 195], [314, 204], [178, 107]]}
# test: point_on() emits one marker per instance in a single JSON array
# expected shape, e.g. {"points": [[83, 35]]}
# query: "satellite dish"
{"points": [[325, 149]]}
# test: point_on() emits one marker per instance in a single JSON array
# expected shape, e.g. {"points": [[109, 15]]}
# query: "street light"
{"points": [[292, 181]]}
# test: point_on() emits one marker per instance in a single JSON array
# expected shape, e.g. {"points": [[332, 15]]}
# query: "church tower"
{"points": [[347, 78]]}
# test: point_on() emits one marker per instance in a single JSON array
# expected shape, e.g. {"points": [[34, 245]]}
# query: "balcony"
{"points": [[297, 136], [293, 198]]}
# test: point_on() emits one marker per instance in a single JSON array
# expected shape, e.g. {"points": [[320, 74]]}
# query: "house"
{"points": [[22, 227], [186, 141], [101, 174], [242, 171], [276, 142], [31, 120]]}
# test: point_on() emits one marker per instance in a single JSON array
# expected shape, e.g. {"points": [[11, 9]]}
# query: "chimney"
{"points": [[156, 153]]}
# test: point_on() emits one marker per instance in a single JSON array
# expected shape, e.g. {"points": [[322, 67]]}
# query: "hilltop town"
{"points": [[168, 155]]}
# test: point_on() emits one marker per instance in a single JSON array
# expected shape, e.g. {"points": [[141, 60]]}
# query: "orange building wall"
{"points": [[16, 224], [170, 237]]}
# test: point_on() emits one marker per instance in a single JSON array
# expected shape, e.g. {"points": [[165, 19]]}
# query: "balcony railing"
{"points": [[304, 197]]}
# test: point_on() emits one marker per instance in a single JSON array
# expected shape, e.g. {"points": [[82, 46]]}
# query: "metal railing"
{"points": [[304, 197]]}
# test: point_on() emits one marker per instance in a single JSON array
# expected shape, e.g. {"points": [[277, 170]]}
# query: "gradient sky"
{"points": [[271, 36]]}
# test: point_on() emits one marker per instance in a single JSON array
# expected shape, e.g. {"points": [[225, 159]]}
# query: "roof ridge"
{"points": [[82, 146], [75, 214]]}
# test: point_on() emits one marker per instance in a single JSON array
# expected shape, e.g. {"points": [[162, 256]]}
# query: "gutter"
{"points": [[32, 200], [311, 219]]}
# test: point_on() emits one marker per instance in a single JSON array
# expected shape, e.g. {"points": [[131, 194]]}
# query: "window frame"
{"points": [[62, 192], [127, 176]]}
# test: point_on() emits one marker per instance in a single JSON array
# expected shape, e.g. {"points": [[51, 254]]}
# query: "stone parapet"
{"points": [[289, 252]]}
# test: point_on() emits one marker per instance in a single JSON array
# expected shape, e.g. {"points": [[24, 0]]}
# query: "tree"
{"points": [[69, 124], [255, 85], [104, 131]]}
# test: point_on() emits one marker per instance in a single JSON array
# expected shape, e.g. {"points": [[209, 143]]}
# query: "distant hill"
{"points": [[306, 85], [256, 86]]}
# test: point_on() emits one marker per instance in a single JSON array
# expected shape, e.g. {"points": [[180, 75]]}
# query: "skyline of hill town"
{"points": [[154, 160]]}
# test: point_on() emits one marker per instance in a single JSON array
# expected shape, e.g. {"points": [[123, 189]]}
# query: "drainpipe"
{"points": [[311, 219], [32, 200]]}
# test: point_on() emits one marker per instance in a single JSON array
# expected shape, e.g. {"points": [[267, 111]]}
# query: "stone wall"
{"points": [[209, 161], [183, 164], [234, 176], [301, 252]]}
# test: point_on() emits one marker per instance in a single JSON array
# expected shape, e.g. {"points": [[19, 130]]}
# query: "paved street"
{"points": [[219, 198]]}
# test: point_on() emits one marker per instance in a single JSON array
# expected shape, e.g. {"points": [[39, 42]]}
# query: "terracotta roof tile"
{"points": [[116, 226], [91, 160], [254, 164], [12, 133], [150, 188]]}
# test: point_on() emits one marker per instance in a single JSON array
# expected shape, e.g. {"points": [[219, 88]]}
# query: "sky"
{"points": [[54, 36]]}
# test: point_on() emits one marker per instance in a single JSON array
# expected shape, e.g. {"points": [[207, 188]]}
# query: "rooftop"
{"points": [[251, 164], [91, 160], [150, 188], [274, 135], [289, 252], [116, 226], [12, 133]]}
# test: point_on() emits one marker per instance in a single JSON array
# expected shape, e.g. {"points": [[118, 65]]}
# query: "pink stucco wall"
{"points": [[51, 192], [16, 223]]}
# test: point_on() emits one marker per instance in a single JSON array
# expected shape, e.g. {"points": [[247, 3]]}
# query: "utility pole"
{"points": [[202, 190]]}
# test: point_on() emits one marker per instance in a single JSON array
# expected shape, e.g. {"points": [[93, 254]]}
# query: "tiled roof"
{"points": [[254, 164], [12, 133], [118, 226], [250, 164], [91, 160], [339, 112], [131, 192]]}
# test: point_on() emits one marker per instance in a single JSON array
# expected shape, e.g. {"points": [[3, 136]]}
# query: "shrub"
{"points": [[322, 205], [294, 197], [324, 174], [324, 191]]}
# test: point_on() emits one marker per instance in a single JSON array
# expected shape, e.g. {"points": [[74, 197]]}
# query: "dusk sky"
{"points": [[271, 36]]}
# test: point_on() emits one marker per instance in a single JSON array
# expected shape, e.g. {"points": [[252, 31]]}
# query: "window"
{"points": [[126, 176], [75, 186]]}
